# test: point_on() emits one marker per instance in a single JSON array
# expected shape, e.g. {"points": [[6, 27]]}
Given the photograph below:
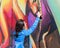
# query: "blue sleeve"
{"points": [[32, 28]]}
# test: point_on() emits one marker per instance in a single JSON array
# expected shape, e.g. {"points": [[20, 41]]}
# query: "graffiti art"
{"points": [[29, 24]]}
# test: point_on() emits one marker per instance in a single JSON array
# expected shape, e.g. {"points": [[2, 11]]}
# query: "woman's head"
{"points": [[19, 25]]}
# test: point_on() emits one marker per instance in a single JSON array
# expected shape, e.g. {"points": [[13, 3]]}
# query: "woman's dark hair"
{"points": [[19, 26]]}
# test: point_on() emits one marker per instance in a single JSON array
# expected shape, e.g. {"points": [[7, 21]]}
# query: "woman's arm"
{"points": [[32, 28]]}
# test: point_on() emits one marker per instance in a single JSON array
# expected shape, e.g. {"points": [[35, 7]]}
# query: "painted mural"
{"points": [[47, 32]]}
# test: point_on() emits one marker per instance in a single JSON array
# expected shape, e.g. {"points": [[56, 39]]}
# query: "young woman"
{"points": [[20, 10], [21, 32]]}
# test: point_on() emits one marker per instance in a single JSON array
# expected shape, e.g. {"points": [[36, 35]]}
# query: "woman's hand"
{"points": [[39, 14], [34, 8]]}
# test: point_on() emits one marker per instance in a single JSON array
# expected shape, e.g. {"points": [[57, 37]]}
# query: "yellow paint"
{"points": [[22, 5], [19, 14], [7, 5]]}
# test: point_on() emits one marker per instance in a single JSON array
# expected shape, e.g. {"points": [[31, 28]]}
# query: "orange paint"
{"points": [[4, 29]]}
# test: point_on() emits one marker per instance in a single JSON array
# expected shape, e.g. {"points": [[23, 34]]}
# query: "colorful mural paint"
{"points": [[46, 34]]}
